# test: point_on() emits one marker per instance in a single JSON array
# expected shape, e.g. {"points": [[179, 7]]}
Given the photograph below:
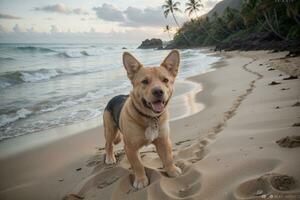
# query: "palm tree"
{"points": [[233, 19], [171, 7], [168, 29], [220, 23], [193, 6], [292, 10], [269, 12], [253, 10], [249, 12]]}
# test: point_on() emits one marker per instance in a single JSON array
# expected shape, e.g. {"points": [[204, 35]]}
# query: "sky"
{"points": [[85, 21]]}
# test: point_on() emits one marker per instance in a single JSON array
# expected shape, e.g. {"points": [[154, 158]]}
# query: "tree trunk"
{"points": [[271, 27], [206, 31], [296, 19], [169, 35], [293, 14], [188, 41]]}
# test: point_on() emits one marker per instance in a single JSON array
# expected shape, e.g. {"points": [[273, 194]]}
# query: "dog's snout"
{"points": [[157, 92]]}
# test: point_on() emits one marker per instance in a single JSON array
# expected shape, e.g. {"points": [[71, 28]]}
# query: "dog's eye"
{"points": [[166, 80], [145, 81]]}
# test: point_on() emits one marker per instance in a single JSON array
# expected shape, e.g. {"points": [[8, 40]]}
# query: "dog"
{"points": [[141, 118]]}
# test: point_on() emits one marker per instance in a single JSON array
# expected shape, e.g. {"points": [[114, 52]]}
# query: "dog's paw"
{"points": [[140, 183], [109, 160], [174, 171]]}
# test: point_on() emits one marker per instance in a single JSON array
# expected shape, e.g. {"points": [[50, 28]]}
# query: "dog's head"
{"points": [[152, 86]]}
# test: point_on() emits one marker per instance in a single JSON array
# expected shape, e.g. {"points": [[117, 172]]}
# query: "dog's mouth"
{"points": [[156, 106]]}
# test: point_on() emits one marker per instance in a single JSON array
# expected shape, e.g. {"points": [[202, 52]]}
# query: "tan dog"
{"points": [[142, 116]]}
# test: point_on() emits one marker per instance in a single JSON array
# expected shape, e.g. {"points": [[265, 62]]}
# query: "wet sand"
{"points": [[243, 144]]}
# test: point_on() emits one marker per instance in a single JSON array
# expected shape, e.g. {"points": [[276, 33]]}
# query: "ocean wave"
{"points": [[41, 125], [4, 84], [79, 99], [50, 106], [17, 77], [34, 49], [43, 74], [66, 103], [6, 59], [12, 115], [70, 54], [78, 54], [9, 118]]}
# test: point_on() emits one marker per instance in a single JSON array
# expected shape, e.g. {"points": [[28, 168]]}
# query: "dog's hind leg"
{"points": [[111, 133]]}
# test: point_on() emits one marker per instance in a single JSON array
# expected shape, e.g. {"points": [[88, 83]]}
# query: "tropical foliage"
{"points": [[281, 19]]}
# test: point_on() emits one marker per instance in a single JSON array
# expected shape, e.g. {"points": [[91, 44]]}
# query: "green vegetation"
{"points": [[272, 19]]}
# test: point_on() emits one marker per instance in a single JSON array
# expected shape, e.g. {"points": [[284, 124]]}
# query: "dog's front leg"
{"points": [[164, 149], [140, 178]]}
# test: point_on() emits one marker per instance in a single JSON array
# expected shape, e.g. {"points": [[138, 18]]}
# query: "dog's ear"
{"points": [[131, 64], [171, 62]]}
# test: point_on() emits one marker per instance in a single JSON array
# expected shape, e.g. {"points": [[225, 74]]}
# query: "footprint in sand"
{"points": [[285, 88], [296, 104], [296, 124], [266, 186], [194, 152], [289, 141], [274, 83], [73, 197], [290, 78], [98, 160], [182, 187], [92, 186]]}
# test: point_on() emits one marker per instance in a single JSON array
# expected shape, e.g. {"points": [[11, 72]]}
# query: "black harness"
{"points": [[115, 106]]}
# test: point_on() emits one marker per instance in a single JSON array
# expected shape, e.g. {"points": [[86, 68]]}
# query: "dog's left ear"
{"points": [[131, 64], [171, 62]]}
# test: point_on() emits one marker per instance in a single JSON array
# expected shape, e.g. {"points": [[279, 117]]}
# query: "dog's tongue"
{"points": [[158, 106]]}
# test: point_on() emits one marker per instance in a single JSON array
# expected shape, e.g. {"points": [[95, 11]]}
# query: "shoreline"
{"points": [[183, 96], [223, 92]]}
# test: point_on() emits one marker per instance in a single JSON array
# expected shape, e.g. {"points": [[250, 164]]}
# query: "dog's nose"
{"points": [[158, 92]]}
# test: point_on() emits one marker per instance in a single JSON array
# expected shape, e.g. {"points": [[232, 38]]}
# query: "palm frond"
{"points": [[166, 12], [188, 9], [176, 4], [177, 9]]}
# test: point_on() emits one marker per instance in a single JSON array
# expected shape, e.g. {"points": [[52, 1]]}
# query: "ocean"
{"points": [[44, 86]]}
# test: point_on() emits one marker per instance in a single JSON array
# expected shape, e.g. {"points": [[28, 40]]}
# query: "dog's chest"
{"points": [[154, 130]]}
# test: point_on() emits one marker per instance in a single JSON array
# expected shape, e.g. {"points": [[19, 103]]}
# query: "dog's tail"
{"points": [[118, 138]]}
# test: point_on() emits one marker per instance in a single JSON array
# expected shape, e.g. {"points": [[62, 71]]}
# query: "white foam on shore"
{"points": [[9, 118]]}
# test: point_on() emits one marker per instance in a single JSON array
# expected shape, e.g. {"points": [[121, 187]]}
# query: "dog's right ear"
{"points": [[131, 64]]}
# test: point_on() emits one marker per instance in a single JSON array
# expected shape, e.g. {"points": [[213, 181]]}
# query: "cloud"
{"points": [[62, 9], [147, 17], [6, 16], [135, 17], [80, 11], [108, 12]]}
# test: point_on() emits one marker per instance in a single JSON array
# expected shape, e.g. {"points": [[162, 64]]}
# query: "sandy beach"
{"points": [[238, 140]]}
